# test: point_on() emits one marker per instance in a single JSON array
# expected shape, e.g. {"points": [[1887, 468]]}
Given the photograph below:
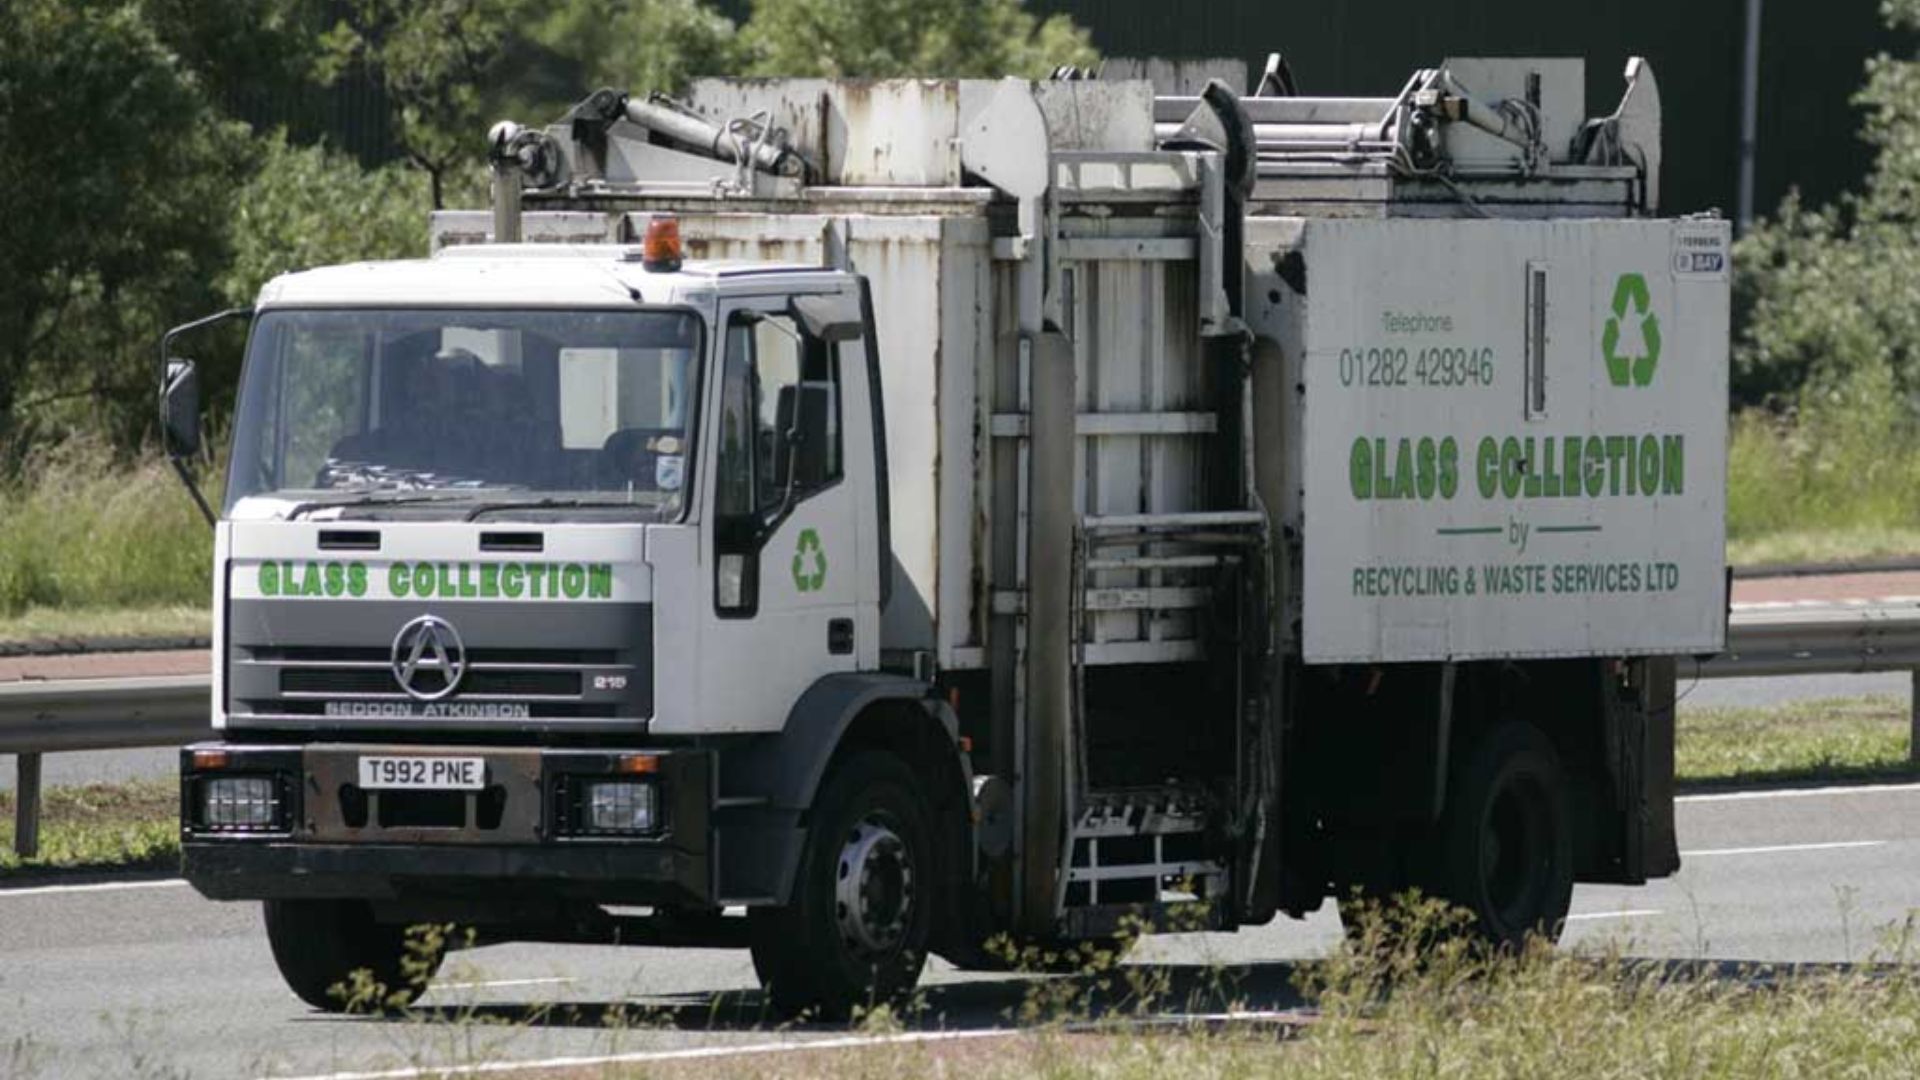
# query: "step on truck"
{"points": [[859, 520]]}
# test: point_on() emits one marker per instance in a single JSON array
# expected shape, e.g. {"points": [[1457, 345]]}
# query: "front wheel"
{"points": [[319, 944], [854, 931], [1506, 849]]}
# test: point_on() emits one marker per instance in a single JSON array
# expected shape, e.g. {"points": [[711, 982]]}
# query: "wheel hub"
{"points": [[873, 888]]}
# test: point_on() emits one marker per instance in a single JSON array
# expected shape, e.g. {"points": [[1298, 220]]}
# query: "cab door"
{"points": [[787, 537]]}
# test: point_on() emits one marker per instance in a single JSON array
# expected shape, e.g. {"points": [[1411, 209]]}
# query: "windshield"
{"points": [[476, 408]]}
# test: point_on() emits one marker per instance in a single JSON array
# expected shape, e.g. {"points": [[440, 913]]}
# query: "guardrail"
{"points": [[92, 714], [39, 718]]}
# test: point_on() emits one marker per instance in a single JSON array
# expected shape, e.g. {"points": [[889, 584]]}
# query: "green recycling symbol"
{"points": [[809, 562], [1623, 365]]}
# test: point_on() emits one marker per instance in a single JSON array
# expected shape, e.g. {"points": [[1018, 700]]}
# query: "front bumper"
{"points": [[519, 837]]}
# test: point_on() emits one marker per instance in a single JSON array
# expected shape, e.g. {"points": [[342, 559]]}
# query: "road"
{"points": [[148, 976]]}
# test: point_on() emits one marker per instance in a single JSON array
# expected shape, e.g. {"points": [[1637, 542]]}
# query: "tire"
{"points": [[319, 944], [858, 939], [1506, 849]]}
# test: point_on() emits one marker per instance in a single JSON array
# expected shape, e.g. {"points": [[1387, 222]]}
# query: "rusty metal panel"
{"points": [[884, 133], [908, 132], [329, 770], [966, 386], [1097, 115]]}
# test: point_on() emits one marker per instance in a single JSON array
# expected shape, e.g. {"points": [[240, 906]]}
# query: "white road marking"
{"points": [[494, 984], [1800, 793], [786, 1046], [1774, 849], [1629, 913], [98, 886], [751, 1049]]}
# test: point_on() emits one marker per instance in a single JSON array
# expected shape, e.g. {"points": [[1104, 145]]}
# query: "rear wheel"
{"points": [[1506, 850], [319, 944], [855, 930]]}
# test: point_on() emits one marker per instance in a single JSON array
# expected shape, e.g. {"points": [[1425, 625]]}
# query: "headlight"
{"points": [[239, 803], [620, 806]]}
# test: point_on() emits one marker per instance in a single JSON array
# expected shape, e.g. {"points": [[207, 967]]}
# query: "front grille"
{"points": [[346, 654], [306, 681], [297, 664], [380, 681]]}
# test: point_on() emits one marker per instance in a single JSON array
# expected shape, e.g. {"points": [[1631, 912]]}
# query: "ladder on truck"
{"points": [[1153, 557]]}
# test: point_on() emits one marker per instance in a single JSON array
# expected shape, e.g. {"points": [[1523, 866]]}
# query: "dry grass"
{"points": [[67, 624]]}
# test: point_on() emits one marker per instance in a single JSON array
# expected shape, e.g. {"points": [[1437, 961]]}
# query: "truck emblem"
{"points": [[428, 643], [1630, 294], [809, 562]]}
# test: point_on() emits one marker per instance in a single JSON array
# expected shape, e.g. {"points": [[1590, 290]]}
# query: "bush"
{"points": [[1835, 293]]}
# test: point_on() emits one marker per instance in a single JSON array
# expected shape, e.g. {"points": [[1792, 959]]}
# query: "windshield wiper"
{"points": [[553, 504], [372, 499]]}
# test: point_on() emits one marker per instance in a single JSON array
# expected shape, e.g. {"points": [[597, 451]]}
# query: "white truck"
{"points": [[922, 512]]}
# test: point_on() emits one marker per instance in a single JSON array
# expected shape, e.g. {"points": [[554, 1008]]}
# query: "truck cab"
{"points": [[466, 496]]}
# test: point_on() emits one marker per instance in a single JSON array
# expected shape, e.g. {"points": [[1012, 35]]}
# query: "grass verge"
{"points": [[130, 825], [1835, 739], [1408, 997], [84, 532], [66, 624], [1840, 481]]}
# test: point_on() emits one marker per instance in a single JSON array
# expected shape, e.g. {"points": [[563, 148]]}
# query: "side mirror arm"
{"points": [[166, 350]]}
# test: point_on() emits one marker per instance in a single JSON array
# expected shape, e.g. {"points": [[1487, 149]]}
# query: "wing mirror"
{"points": [[180, 409], [805, 417]]}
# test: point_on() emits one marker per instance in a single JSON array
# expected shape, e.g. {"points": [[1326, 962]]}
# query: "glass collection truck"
{"points": [[854, 521]]}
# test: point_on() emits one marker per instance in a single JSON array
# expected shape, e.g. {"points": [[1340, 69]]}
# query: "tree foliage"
{"points": [[439, 62], [114, 197], [881, 39], [632, 44], [1832, 295], [309, 206], [131, 199]]}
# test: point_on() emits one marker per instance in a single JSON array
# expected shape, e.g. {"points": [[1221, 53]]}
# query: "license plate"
{"points": [[423, 773]]}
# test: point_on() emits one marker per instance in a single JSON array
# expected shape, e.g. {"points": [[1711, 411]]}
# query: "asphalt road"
{"points": [[148, 978]]}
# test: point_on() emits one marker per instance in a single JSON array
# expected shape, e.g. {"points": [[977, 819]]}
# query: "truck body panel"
{"points": [[1492, 472]]}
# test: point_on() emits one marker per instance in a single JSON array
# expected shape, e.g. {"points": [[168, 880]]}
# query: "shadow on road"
{"points": [[1165, 991], [1008, 1001]]}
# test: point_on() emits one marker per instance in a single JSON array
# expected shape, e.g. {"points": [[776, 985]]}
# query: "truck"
{"points": [[855, 521]]}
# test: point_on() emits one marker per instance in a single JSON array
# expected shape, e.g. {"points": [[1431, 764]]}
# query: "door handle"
{"points": [[839, 636]]}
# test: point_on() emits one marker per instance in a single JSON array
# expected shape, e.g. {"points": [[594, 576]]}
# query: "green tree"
{"points": [[441, 64], [903, 38], [113, 205], [1832, 296], [308, 206], [243, 49], [639, 45]]}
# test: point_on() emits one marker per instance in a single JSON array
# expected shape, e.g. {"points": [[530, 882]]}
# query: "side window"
{"points": [[779, 415]]}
